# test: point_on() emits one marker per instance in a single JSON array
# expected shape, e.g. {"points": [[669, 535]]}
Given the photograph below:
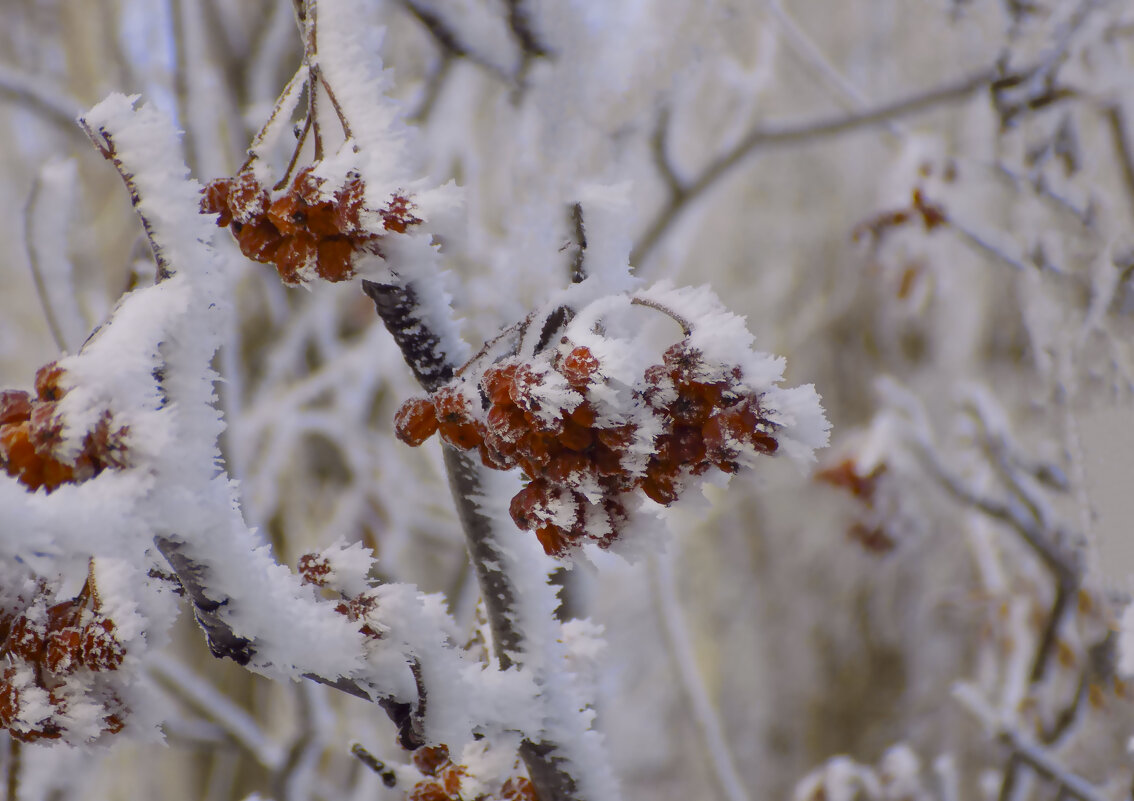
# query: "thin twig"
{"points": [[47, 100], [206, 700], [680, 647], [803, 133], [686, 326], [37, 273], [519, 20], [1028, 752], [15, 766], [1116, 122], [659, 148], [389, 778]]}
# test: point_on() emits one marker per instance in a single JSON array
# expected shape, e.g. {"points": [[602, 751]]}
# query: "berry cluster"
{"points": [[585, 448], [31, 431], [316, 569], [871, 529], [307, 230], [49, 652], [442, 780]]}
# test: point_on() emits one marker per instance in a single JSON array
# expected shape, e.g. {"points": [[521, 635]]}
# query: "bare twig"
{"points": [[713, 740], [45, 99], [519, 20], [204, 699], [798, 134], [222, 640], [1025, 750], [449, 40], [1116, 122], [15, 765], [659, 148], [389, 778], [37, 274], [686, 326]]}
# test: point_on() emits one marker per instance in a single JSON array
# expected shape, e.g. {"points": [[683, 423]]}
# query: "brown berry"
{"points": [[430, 760], [15, 406], [63, 652], [415, 421], [47, 382], [335, 259], [579, 367]]}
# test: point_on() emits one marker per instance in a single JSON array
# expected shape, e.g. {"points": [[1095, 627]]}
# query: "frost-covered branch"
{"points": [[797, 134], [47, 99], [555, 778], [682, 654], [1025, 750]]}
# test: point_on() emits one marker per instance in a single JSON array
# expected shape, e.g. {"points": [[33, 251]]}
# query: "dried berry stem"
{"points": [[15, 763], [334, 101], [290, 171], [686, 326], [285, 105]]}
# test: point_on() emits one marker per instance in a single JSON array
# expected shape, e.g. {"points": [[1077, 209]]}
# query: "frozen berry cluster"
{"points": [[49, 654], [442, 780], [316, 569], [871, 528], [586, 447], [307, 230], [31, 433]]}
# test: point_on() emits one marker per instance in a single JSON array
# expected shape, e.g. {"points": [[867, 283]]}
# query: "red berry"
{"points": [[47, 382], [15, 406], [431, 759], [247, 199], [258, 240], [415, 421], [579, 367], [63, 651], [554, 540], [101, 650]]}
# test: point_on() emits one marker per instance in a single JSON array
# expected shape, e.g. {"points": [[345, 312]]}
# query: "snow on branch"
{"points": [[121, 442]]}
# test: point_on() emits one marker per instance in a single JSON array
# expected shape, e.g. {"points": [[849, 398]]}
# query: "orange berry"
{"points": [[247, 199], [335, 259], [659, 486], [101, 650], [214, 198], [288, 214], [15, 406], [431, 759], [579, 367], [575, 436], [62, 650], [554, 540], [415, 421], [258, 241], [314, 569], [47, 382]]}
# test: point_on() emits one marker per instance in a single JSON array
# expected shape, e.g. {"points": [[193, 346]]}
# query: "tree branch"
{"points": [[397, 306], [47, 100], [799, 134], [1026, 751]]}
